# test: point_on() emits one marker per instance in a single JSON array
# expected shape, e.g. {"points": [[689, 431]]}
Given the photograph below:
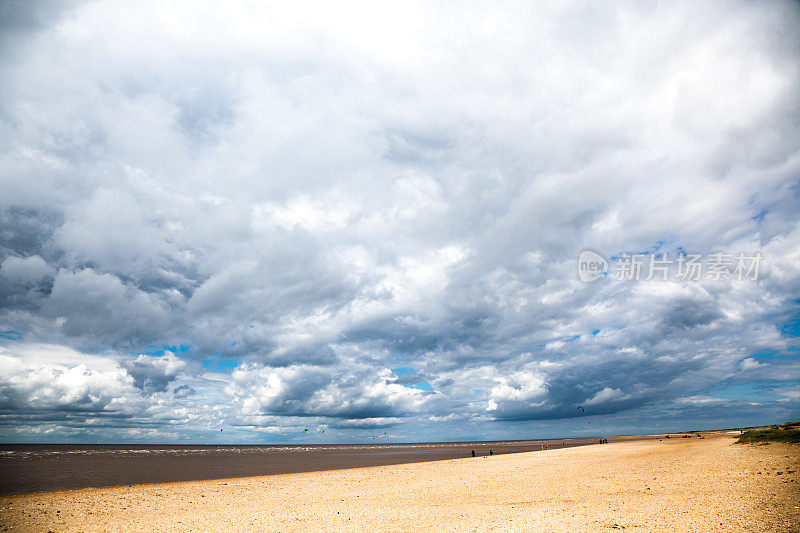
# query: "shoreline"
{"points": [[694, 484], [64, 467]]}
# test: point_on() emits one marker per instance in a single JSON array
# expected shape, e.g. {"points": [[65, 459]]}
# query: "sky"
{"points": [[230, 222]]}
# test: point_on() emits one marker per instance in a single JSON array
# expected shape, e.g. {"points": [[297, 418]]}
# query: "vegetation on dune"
{"points": [[789, 432]]}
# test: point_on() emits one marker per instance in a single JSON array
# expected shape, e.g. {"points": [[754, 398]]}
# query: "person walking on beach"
{"points": [[473, 453]]}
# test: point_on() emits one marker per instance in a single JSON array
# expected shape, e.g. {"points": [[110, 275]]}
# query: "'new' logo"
{"points": [[591, 266]]}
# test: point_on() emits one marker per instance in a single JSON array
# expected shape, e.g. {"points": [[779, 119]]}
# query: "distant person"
{"points": [[491, 452], [473, 453]]}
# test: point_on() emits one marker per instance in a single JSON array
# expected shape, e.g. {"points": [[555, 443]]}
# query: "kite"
{"points": [[305, 431], [581, 409]]}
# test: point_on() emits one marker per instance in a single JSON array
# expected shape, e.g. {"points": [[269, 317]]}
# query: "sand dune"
{"points": [[688, 484]]}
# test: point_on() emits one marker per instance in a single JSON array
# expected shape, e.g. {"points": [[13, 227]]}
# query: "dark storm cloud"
{"points": [[687, 314], [154, 374], [27, 231]]}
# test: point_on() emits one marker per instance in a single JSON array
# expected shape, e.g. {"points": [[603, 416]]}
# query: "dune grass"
{"points": [[789, 432]]}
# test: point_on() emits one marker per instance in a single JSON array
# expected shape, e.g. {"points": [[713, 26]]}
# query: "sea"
{"points": [[48, 467]]}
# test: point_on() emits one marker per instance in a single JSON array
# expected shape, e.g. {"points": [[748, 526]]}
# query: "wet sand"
{"points": [[32, 468], [647, 485]]}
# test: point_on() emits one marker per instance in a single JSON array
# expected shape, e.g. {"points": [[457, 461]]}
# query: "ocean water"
{"points": [[30, 468]]}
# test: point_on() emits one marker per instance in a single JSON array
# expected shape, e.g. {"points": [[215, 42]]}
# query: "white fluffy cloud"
{"points": [[25, 270], [50, 378], [354, 394]]}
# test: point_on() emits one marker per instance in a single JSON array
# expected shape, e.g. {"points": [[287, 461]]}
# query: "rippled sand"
{"points": [[648, 485]]}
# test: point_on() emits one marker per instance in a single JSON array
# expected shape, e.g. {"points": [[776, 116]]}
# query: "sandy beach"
{"points": [[693, 484]]}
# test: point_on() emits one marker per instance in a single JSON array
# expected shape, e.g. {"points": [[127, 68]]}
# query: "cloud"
{"points": [[109, 230], [183, 391], [49, 379], [361, 188], [26, 270], [304, 391], [86, 303], [52, 392], [154, 374], [523, 389], [19, 19], [699, 399], [606, 395]]}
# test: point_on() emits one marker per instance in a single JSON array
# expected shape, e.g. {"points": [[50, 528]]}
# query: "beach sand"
{"points": [[693, 484]]}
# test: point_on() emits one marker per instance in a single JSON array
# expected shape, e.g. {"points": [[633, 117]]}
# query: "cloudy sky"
{"points": [[365, 219]]}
